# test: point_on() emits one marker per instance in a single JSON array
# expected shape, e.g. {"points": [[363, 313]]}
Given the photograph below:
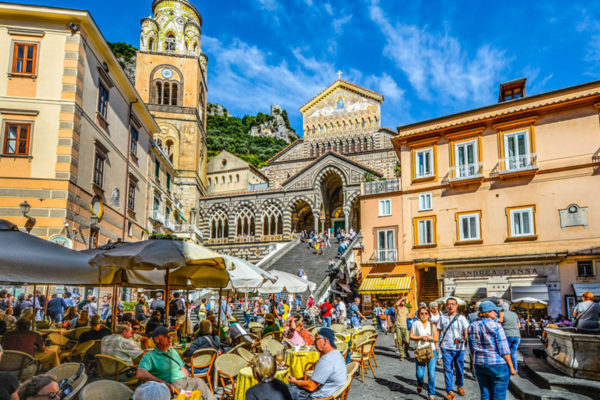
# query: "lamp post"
{"points": [[25, 208]]}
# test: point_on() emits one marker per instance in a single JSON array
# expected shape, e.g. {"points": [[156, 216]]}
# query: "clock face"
{"points": [[167, 73]]}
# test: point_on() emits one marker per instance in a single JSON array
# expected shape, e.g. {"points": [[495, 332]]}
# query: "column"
{"points": [[316, 217], [347, 219]]}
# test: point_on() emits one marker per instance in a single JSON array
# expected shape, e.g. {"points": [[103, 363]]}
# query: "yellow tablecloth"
{"points": [[245, 380], [196, 395], [49, 357], [297, 361]]}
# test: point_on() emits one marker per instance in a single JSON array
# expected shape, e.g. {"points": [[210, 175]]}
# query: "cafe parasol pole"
{"points": [[219, 317], [167, 297], [34, 309], [46, 302]]}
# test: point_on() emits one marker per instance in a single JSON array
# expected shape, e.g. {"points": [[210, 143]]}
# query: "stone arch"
{"points": [[218, 223], [169, 133], [245, 203], [272, 218], [326, 170], [245, 222], [161, 87]]}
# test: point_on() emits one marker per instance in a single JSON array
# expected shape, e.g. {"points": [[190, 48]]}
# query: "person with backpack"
{"points": [[453, 338], [176, 304], [326, 313], [587, 313]]}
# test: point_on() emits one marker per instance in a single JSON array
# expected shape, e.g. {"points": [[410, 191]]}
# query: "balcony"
{"points": [[384, 256], [170, 225], [178, 204], [377, 187], [187, 228], [466, 174], [525, 164], [245, 239], [158, 216]]}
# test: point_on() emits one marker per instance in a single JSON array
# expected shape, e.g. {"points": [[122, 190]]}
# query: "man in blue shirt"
{"points": [[56, 308], [355, 313]]}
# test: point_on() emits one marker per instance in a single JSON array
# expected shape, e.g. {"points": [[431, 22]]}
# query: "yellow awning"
{"points": [[385, 284]]}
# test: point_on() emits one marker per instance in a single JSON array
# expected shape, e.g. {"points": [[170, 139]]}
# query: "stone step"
{"points": [[525, 389], [548, 377]]}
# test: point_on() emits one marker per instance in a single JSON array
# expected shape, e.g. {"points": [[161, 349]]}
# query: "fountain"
{"points": [[574, 353]]}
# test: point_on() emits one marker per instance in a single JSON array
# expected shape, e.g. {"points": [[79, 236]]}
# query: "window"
{"points": [[131, 196], [465, 159], [156, 206], [585, 268], [166, 93], [386, 246], [168, 181], [170, 43], [102, 100], [134, 141], [385, 208], [272, 220], [425, 202], [167, 215], [516, 150], [423, 163], [157, 170], [521, 222], [99, 168], [24, 58], [424, 230], [219, 225], [129, 228], [469, 227], [16, 139]]}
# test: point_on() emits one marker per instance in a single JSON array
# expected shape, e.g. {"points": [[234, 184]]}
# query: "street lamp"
{"points": [[25, 208]]}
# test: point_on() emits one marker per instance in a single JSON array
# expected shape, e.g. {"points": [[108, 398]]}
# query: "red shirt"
{"points": [[327, 313], [28, 342]]}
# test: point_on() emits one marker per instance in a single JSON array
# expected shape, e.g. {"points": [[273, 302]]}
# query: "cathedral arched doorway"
{"points": [[302, 217], [332, 194]]}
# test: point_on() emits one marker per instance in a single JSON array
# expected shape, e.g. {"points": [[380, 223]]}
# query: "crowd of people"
{"points": [[318, 242]]}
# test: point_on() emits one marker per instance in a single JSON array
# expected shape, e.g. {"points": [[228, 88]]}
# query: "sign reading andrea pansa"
{"points": [[511, 270]]}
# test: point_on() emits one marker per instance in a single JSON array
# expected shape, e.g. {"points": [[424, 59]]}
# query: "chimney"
{"points": [[512, 90]]}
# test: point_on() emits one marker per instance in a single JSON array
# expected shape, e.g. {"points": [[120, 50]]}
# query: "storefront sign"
{"points": [[367, 298], [61, 240], [488, 272]]}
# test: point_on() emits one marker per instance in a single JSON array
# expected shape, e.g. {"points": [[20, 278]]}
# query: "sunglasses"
{"points": [[51, 395]]}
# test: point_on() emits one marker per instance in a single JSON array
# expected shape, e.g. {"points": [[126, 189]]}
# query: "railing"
{"points": [[384, 255], [466, 171], [170, 225], [186, 228], [258, 186], [375, 187], [218, 241], [158, 216], [244, 239], [271, 238], [523, 162], [178, 204]]}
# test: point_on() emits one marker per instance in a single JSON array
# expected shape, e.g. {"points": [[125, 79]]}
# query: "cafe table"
{"points": [[195, 395], [299, 358], [245, 380]]}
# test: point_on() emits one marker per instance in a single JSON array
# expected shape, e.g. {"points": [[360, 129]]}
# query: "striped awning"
{"points": [[385, 284]]}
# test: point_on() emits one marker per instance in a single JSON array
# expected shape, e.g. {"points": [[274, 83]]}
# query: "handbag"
{"points": [[424, 355]]}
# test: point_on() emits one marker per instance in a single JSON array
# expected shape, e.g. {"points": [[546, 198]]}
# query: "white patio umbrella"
{"points": [[529, 303], [460, 302], [289, 282], [244, 276]]}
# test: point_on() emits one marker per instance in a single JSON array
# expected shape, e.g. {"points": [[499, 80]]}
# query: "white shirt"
{"points": [[342, 307], [419, 330], [456, 331]]}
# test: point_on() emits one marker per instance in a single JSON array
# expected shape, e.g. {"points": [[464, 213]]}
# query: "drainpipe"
{"points": [[128, 150]]}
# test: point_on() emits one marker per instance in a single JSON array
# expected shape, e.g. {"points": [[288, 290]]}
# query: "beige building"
{"points": [[228, 173], [497, 201], [75, 135]]}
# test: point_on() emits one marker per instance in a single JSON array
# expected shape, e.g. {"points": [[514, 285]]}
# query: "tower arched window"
{"points": [[272, 221], [169, 149], [244, 223], [166, 93], [170, 43], [353, 146], [151, 44], [312, 150], [219, 225]]}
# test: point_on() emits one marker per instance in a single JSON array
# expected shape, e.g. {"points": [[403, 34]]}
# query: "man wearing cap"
{"points": [[452, 342], [96, 332], [163, 364], [329, 374], [511, 325], [491, 362]]}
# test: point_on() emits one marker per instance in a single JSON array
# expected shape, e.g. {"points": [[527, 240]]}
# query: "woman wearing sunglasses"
{"points": [[40, 387], [425, 334]]}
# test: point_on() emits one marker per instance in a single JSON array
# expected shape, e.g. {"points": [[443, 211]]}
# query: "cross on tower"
{"points": [[339, 74]]}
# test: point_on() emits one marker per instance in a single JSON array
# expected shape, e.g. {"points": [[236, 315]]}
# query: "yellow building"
{"points": [[497, 201], [75, 135], [171, 78], [228, 173]]}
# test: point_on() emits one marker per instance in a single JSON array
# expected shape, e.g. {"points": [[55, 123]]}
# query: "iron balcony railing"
{"points": [[523, 162], [158, 216], [376, 187], [466, 171], [187, 228], [384, 255]]}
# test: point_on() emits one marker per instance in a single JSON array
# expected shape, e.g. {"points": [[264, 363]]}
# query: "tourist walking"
{"points": [[401, 327], [491, 361], [355, 313], [587, 313], [377, 311], [453, 337], [326, 314], [510, 324], [141, 309], [425, 333]]}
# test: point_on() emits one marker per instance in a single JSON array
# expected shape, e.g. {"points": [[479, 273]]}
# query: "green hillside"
{"points": [[231, 134]]}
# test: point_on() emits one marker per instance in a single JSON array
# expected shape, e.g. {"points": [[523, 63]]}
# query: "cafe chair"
{"points": [[243, 345], [201, 359], [363, 357], [256, 330], [112, 368], [245, 354], [373, 356], [272, 345], [58, 340], [338, 328], [368, 328], [20, 364], [342, 348], [68, 371], [106, 390], [228, 367], [77, 353], [79, 331]]}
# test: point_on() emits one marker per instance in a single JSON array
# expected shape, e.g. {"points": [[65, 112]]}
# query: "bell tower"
{"points": [[171, 78]]}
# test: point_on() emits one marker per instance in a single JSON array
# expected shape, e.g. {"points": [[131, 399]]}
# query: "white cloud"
{"points": [[270, 5], [435, 64], [338, 23]]}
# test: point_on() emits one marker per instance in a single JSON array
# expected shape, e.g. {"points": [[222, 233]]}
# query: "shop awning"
{"points": [[470, 291], [181, 215], [537, 291], [579, 288], [384, 284]]}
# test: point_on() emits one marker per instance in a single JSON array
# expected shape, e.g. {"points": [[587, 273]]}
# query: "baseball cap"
{"points": [[487, 306], [152, 391], [329, 335], [161, 330]]}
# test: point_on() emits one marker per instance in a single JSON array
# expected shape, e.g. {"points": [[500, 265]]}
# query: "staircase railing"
{"points": [[324, 289]]}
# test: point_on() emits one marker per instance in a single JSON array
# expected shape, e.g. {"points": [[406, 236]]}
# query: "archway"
{"points": [[302, 217], [332, 194]]}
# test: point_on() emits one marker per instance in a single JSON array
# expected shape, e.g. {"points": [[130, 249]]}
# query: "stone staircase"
{"points": [[428, 290]]}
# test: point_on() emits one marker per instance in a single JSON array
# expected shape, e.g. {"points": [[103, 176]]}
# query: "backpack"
{"points": [[323, 309], [174, 306]]}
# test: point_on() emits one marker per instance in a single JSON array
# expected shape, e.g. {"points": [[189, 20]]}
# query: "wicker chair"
{"points": [[343, 348], [58, 340], [228, 367], [313, 329], [106, 390], [271, 345], [77, 353], [204, 358], [363, 357], [256, 330], [245, 354], [372, 355], [80, 330], [66, 371], [22, 365], [368, 328], [338, 328], [255, 325], [244, 345], [115, 369]]}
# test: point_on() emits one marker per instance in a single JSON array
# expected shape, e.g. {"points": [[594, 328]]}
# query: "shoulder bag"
{"points": [[424, 354]]}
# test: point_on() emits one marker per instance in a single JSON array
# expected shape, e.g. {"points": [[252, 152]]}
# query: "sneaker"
{"points": [[461, 391], [397, 352], [419, 389], [450, 395]]}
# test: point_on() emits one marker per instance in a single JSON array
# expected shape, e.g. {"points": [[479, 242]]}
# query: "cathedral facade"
{"points": [[312, 184]]}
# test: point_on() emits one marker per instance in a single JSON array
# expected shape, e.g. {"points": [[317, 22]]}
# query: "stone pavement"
{"points": [[397, 379]]}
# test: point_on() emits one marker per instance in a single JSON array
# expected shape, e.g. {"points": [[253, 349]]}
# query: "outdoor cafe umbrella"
{"points": [[289, 282], [246, 277], [529, 303], [443, 300]]}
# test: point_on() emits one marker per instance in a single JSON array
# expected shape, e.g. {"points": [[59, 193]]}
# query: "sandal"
{"points": [[419, 389]]}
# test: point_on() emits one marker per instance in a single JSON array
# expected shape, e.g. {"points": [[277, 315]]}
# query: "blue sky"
{"points": [[429, 58]]}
